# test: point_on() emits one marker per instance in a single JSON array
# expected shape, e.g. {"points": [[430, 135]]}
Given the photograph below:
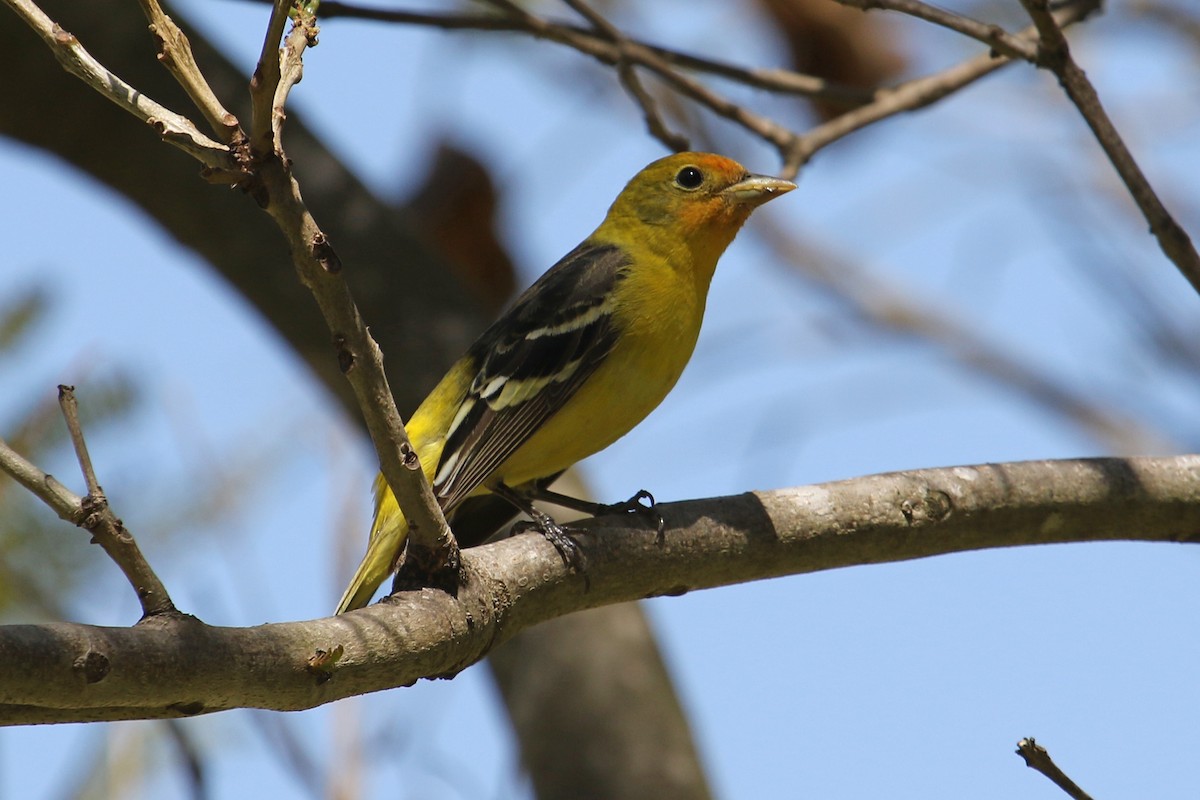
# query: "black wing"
{"points": [[531, 361]]}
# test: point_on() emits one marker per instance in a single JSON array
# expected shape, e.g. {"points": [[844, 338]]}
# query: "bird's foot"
{"points": [[641, 503], [568, 549]]}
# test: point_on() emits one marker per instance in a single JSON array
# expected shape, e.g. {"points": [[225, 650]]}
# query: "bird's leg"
{"points": [[556, 534], [633, 505]]}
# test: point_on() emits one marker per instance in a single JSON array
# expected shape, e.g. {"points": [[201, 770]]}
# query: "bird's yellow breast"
{"points": [[659, 314]]}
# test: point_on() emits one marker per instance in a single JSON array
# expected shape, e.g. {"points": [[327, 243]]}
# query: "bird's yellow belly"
{"points": [[606, 407]]}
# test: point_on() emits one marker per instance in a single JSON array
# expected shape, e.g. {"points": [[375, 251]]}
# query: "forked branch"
{"points": [[90, 512]]}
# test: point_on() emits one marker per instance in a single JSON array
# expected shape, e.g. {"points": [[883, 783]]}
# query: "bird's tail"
{"points": [[388, 533]]}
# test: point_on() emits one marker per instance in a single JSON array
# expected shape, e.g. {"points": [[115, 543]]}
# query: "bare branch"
{"points": [[868, 107], [990, 34], [65, 503], [267, 74], [909, 96], [430, 543], [175, 53], [629, 78], [1037, 757], [1055, 55], [1046, 46], [177, 666], [773, 80], [172, 127], [672, 140], [291, 61], [634, 53], [765, 128], [70, 410], [92, 514], [277, 191], [921, 92]]}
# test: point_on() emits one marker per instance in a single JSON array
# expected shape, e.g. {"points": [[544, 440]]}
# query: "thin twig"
{"points": [[795, 150], [1055, 55], [267, 73], [654, 59], [1037, 757], [773, 80], [291, 70], [919, 92], [175, 53], [763, 127], [430, 541], [1047, 48], [909, 96], [655, 124], [93, 514], [990, 34], [61, 500], [70, 411], [172, 127], [276, 189], [628, 76], [867, 106]]}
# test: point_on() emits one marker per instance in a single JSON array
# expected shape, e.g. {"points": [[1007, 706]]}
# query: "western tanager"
{"points": [[582, 356]]}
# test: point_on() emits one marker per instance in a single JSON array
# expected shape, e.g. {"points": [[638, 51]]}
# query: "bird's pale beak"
{"points": [[757, 189]]}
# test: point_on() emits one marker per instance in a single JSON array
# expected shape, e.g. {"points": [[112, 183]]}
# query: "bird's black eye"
{"points": [[689, 178]]}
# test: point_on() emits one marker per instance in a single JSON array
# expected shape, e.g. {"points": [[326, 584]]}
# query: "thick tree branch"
{"points": [[171, 666]]}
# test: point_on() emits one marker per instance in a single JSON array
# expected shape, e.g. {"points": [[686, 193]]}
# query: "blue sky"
{"points": [[909, 680]]}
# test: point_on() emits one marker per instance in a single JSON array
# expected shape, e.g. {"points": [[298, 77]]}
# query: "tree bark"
{"points": [[174, 665]]}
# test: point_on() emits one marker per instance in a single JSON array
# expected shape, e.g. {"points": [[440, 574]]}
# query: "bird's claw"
{"points": [[632, 504], [635, 505], [567, 547]]}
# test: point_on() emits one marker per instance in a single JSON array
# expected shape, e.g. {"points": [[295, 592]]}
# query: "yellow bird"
{"points": [[581, 357]]}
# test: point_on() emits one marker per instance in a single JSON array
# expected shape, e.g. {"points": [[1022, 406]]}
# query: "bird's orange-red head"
{"points": [[697, 200], [696, 189]]}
